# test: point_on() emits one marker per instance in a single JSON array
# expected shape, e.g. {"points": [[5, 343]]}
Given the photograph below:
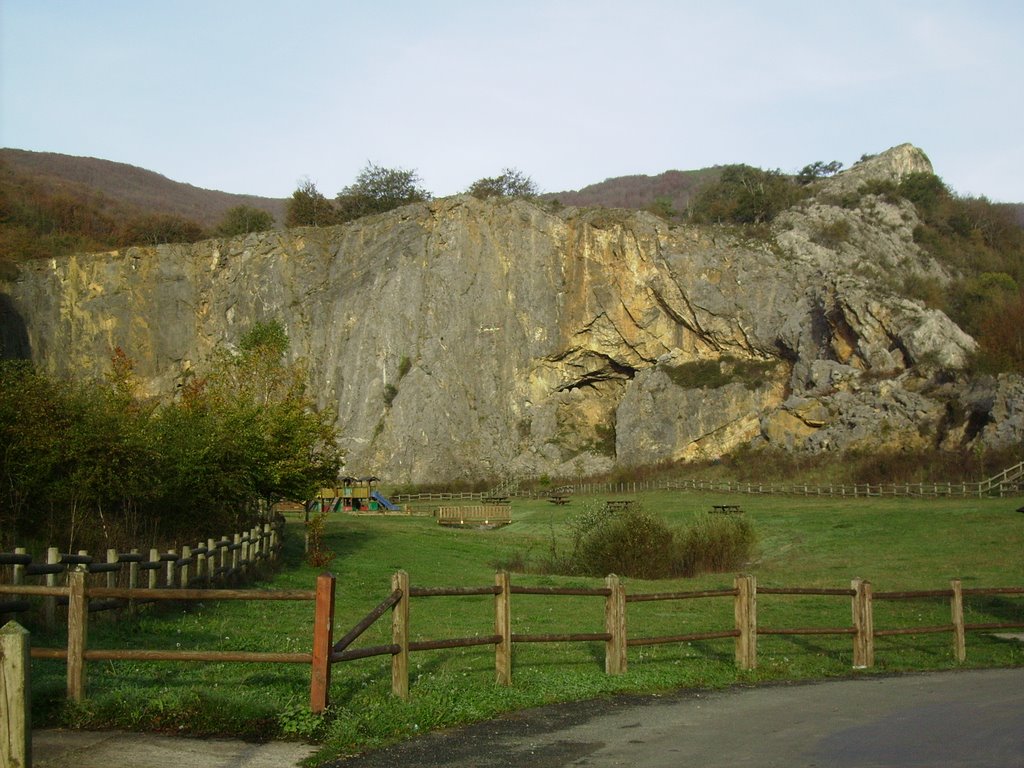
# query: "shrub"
{"points": [[635, 543], [833, 234], [628, 543], [713, 544]]}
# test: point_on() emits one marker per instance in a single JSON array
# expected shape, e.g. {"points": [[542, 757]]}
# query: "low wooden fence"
{"points": [[79, 597], [324, 653], [1009, 482], [745, 629], [481, 514], [215, 562]]}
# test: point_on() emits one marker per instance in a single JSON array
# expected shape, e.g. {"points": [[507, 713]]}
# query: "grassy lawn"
{"points": [[895, 543]]}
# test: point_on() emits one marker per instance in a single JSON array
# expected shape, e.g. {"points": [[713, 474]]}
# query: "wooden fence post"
{"points": [[211, 561], [18, 574], [323, 625], [956, 607], [15, 697], [745, 612], [863, 625], [151, 579], [503, 629], [400, 637], [171, 583], [615, 650], [183, 572], [133, 580], [50, 603], [78, 628]]}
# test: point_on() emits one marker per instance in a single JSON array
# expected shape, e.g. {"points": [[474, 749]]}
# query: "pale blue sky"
{"points": [[253, 96]]}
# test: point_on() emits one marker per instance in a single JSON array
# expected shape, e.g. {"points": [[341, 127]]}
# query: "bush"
{"points": [[635, 543], [628, 543], [714, 544]]}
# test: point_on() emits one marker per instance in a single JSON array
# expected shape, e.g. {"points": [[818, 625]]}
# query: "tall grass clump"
{"points": [[635, 543], [714, 544]]}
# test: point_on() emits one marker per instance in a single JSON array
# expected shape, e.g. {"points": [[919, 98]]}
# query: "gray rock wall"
{"points": [[467, 339]]}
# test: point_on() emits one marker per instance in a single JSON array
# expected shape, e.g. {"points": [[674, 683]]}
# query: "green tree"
{"points": [[509, 183], [817, 170], [307, 207], [160, 229], [745, 195], [243, 219], [378, 189]]}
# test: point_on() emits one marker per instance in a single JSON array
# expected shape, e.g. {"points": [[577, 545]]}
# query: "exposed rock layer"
{"points": [[462, 338]]}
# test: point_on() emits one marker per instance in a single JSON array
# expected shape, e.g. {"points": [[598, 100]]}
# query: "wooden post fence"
{"points": [[503, 629], [956, 608], [615, 648], [15, 697], [400, 637], [745, 612], [323, 626], [863, 625], [78, 626]]}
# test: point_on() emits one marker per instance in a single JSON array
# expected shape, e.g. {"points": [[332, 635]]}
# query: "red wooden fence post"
{"points": [[323, 624]]}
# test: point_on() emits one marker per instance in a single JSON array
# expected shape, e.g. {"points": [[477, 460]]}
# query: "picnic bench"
{"points": [[558, 499], [618, 504], [726, 509], [496, 500]]}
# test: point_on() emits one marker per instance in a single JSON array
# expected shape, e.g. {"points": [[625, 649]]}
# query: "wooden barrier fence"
{"points": [[1009, 482], [486, 514], [324, 652], [225, 561], [77, 653], [744, 631]]}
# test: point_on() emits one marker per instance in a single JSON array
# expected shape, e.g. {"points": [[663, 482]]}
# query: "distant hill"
{"points": [[639, 191], [124, 186]]}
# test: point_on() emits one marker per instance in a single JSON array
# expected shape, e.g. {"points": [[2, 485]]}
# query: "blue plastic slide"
{"points": [[376, 495]]}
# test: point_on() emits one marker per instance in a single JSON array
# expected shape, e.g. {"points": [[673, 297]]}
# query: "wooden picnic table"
{"points": [[618, 504], [558, 498], [726, 509]]}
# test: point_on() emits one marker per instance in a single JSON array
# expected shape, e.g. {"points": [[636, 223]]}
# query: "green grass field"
{"points": [[897, 544]]}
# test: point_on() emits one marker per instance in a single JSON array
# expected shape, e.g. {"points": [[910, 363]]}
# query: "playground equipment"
{"points": [[355, 494]]}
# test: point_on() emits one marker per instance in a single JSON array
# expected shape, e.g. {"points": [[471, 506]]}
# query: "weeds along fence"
{"points": [[744, 630], [1009, 482], [226, 561]]}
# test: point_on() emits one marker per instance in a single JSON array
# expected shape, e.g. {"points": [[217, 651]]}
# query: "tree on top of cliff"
{"points": [[243, 219], [378, 189], [511, 182], [307, 207], [745, 195]]}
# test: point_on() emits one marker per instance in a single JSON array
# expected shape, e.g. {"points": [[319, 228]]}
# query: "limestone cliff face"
{"points": [[462, 338]]}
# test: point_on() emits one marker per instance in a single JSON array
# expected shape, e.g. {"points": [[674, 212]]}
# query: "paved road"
{"points": [[965, 719], [939, 720]]}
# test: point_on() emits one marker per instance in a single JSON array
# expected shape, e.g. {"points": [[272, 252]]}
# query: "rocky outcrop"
{"points": [[466, 339]]}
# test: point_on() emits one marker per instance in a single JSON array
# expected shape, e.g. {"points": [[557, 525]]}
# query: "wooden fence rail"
{"points": [[744, 630], [224, 561], [1009, 482]]}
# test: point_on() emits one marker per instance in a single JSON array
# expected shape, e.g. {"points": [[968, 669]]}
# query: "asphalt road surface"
{"points": [[960, 719]]}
